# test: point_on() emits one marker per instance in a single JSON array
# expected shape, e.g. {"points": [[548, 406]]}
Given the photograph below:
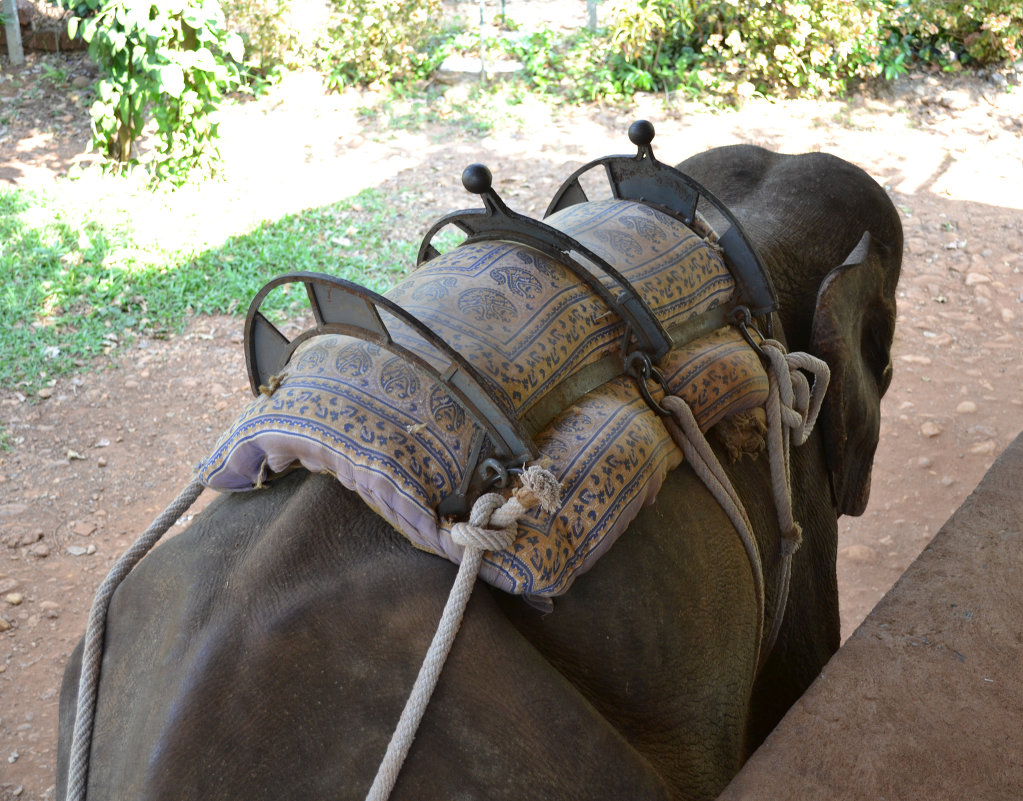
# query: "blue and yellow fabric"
{"points": [[388, 432]]}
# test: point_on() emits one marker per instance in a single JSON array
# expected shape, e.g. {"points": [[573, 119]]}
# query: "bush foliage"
{"points": [[380, 41], [738, 48], [172, 60], [266, 28], [811, 47], [983, 31]]}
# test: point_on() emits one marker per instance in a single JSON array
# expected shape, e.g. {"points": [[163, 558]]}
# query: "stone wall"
{"points": [[925, 700]]}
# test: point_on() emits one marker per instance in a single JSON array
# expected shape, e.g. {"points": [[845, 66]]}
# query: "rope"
{"points": [[492, 526], [686, 433], [794, 405], [792, 410], [92, 651]]}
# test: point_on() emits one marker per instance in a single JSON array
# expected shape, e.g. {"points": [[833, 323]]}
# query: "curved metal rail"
{"points": [[343, 307], [498, 222], [645, 179]]}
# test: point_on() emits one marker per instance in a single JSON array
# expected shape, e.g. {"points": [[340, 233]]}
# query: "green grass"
{"points": [[79, 278]]}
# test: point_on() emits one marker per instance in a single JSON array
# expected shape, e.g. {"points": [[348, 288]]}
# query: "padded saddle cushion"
{"points": [[396, 437]]}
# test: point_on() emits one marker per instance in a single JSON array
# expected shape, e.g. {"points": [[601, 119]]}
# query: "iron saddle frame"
{"points": [[340, 306]]}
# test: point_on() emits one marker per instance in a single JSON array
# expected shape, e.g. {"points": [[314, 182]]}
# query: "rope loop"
{"points": [[792, 409], [92, 650], [685, 431], [800, 403], [493, 520], [793, 405]]}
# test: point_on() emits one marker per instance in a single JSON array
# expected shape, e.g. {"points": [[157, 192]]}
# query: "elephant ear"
{"points": [[853, 326]]}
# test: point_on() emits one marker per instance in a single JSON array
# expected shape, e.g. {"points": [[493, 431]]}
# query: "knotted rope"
{"points": [[92, 650], [792, 405], [492, 526], [792, 410]]}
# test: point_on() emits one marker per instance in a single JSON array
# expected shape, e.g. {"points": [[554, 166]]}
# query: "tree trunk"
{"points": [[12, 28]]}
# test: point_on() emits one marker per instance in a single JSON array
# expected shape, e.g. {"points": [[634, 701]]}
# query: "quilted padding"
{"points": [[390, 433]]}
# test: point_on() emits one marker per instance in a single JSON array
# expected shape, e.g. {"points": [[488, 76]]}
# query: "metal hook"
{"points": [[496, 474], [639, 367], [741, 318]]}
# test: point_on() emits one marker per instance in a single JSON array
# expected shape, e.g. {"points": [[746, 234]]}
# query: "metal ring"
{"points": [[741, 318], [500, 473], [646, 372]]}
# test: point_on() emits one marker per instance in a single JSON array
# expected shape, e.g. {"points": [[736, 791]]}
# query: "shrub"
{"points": [[809, 47], [171, 62], [655, 44], [579, 66], [742, 48], [981, 31], [265, 28], [812, 46], [381, 42]]}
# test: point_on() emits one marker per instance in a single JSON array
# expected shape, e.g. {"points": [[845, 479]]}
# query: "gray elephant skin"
{"points": [[268, 650]]}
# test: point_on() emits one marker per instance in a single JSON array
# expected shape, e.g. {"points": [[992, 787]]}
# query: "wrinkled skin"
{"points": [[267, 651]]}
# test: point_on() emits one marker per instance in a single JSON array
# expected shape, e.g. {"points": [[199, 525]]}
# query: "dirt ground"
{"points": [[97, 459]]}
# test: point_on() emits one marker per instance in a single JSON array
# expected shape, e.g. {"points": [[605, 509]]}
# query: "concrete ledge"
{"points": [[459, 69], [925, 700]]}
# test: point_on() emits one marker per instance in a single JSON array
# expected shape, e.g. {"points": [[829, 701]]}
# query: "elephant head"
{"points": [[832, 241]]}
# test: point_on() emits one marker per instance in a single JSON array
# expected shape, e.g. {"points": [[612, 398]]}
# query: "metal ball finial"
{"points": [[641, 133], [477, 178]]}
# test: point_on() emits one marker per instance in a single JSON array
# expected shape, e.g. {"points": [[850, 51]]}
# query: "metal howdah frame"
{"points": [[344, 307]]}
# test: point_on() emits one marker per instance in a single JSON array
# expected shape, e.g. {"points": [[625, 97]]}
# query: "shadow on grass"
{"points": [[352, 238], [75, 290]]}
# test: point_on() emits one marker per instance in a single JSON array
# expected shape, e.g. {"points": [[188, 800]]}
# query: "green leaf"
{"points": [[203, 59], [89, 31], [235, 47], [172, 79]]}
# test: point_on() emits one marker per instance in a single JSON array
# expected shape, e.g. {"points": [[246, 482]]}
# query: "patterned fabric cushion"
{"points": [[385, 430]]}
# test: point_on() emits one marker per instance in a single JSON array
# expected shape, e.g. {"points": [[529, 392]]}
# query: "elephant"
{"points": [[263, 654]]}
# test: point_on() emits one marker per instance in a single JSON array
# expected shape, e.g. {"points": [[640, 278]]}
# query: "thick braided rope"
{"points": [[792, 405], [92, 651], [493, 525], [792, 410], [685, 431]]}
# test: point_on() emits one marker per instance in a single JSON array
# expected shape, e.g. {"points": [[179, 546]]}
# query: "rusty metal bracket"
{"points": [[645, 179], [495, 221]]}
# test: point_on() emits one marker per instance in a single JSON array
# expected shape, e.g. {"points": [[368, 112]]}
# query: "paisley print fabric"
{"points": [[389, 432]]}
